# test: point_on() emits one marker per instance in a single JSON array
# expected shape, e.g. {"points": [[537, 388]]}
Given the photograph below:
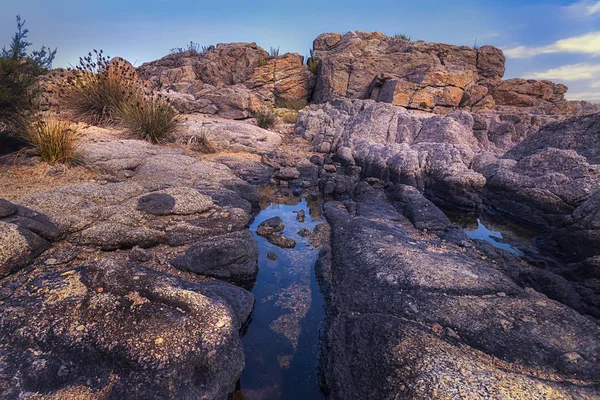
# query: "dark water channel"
{"points": [[281, 343]]}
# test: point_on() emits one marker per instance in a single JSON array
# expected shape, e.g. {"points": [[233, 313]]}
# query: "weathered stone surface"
{"points": [[232, 80], [18, 247], [164, 338], [287, 173], [232, 257], [389, 143], [7, 208], [282, 81], [429, 76], [269, 226], [422, 213], [414, 317], [234, 102], [548, 175], [231, 136], [281, 240]]}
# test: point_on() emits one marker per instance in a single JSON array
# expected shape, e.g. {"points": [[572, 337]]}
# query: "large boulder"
{"points": [[549, 174], [232, 257], [282, 81], [119, 331]]}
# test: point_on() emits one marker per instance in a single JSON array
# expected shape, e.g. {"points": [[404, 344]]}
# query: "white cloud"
{"points": [[584, 8], [588, 96], [572, 72], [584, 44]]}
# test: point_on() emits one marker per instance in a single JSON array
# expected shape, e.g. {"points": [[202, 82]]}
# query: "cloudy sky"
{"points": [[549, 39]]}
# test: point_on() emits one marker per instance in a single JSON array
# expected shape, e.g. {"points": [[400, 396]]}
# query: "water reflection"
{"points": [[281, 344], [500, 232]]}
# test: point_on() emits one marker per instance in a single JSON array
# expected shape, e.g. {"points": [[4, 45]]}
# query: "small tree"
{"points": [[19, 74]]}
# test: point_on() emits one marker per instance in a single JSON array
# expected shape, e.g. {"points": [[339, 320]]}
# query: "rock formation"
{"points": [[429, 76], [128, 284], [232, 80]]}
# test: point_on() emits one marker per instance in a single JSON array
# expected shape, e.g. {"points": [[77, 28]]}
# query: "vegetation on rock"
{"points": [[97, 87], [20, 71], [151, 118], [265, 118], [55, 141]]}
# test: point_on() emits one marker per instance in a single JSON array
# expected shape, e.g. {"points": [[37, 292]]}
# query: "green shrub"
{"points": [[402, 36], [96, 88], [423, 105], [149, 117], [53, 140], [19, 75], [265, 119]]}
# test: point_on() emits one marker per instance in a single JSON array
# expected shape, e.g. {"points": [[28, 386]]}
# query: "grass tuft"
{"points": [[152, 118], [200, 142], [53, 140], [266, 118]]}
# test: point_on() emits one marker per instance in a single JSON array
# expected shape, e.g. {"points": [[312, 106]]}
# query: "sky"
{"points": [[550, 39]]}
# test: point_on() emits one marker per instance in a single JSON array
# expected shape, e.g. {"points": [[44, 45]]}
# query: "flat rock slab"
{"points": [[165, 337], [416, 317]]}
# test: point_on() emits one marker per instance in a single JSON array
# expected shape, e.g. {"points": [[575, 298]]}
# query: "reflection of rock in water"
{"points": [[295, 300], [281, 344]]}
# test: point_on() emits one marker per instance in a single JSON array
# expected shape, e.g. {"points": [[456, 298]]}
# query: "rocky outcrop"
{"points": [[429, 76], [284, 81], [120, 331], [431, 152], [552, 180], [412, 316], [232, 80]]}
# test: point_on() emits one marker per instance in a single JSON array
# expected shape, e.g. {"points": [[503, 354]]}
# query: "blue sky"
{"points": [[556, 40]]}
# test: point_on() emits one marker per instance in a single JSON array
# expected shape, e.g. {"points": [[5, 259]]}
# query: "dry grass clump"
{"points": [[149, 117], [265, 118], [95, 89], [290, 117], [53, 140], [200, 142], [101, 91]]}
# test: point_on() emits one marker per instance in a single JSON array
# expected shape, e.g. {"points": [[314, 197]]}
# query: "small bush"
{"points": [[96, 88], [402, 36], [312, 62], [151, 118], [193, 47], [274, 52], [423, 105], [265, 119], [53, 140]]}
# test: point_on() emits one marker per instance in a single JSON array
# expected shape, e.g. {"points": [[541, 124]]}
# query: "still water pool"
{"points": [[281, 343]]}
